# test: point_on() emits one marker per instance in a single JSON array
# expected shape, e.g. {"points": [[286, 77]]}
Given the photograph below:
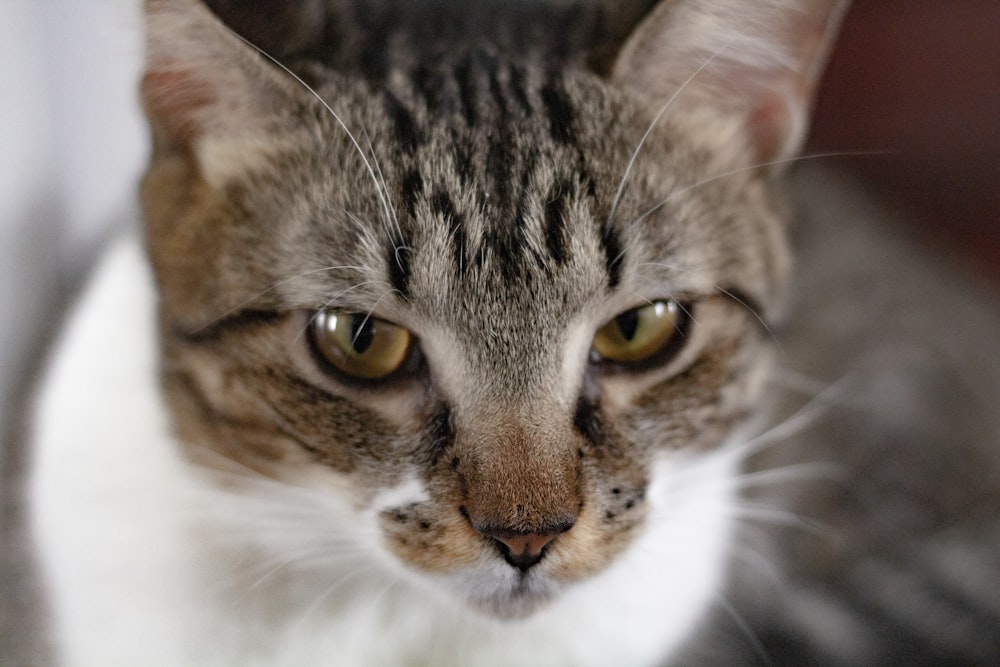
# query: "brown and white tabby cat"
{"points": [[469, 335]]}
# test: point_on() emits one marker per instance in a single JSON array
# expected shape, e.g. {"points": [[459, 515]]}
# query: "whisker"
{"points": [[656, 119], [801, 419], [342, 581], [769, 514], [793, 380], [382, 196], [240, 306], [760, 165], [394, 220], [729, 294], [370, 314], [272, 570], [796, 472], [330, 302], [740, 549], [753, 311], [756, 645]]}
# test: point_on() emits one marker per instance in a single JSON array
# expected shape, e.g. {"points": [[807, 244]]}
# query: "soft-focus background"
{"points": [[71, 146], [918, 79]]}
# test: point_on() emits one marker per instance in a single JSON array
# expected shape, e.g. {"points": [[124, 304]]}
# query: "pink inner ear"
{"points": [[771, 125], [174, 101]]}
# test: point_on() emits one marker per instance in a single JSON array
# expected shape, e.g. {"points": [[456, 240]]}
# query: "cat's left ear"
{"points": [[737, 66], [212, 96]]}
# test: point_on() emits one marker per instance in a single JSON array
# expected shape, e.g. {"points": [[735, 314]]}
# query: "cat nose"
{"points": [[524, 550]]}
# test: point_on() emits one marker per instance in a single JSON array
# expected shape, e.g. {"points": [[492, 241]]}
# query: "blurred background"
{"points": [[917, 81], [920, 81], [71, 147]]}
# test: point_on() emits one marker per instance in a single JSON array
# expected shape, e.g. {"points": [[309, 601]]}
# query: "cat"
{"points": [[471, 334]]}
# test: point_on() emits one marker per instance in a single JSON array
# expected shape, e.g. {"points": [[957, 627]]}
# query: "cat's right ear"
{"points": [[209, 93], [744, 72]]}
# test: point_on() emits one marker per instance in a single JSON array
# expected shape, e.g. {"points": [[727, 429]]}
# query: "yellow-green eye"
{"points": [[641, 333], [359, 345]]}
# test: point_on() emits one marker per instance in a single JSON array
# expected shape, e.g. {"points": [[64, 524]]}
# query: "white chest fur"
{"points": [[136, 577]]}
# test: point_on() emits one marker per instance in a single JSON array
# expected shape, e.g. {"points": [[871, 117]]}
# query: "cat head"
{"points": [[474, 277]]}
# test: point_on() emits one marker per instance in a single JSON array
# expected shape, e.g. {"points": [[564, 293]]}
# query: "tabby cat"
{"points": [[467, 333]]}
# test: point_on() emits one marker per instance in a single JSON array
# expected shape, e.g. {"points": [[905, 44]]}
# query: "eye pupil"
{"points": [[362, 333], [358, 345], [652, 333], [628, 324]]}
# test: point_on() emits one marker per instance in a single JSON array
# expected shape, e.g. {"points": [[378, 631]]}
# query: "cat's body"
{"points": [[541, 450]]}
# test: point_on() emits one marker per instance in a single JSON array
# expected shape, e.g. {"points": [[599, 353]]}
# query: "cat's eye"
{"points": [[642, 334], [360, 346]]}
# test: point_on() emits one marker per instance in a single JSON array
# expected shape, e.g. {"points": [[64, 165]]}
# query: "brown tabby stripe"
{"points": [[518, 89], [411, 189], [407, 134], [443, 205], [467, 80], [555, 222], [237, 321], [560, 111], [480, 95], [439, 434], [613, 254], [398, 264]]}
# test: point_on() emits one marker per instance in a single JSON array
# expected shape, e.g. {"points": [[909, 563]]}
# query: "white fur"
{"points": [[146, 564]]}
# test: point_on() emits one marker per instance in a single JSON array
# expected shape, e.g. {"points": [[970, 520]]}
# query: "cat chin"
{"points": [[513, 608], [492, 591], [515, 601]]}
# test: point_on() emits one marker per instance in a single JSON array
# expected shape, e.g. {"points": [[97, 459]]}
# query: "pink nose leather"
{"points": [[526, 546], [523, 550]]}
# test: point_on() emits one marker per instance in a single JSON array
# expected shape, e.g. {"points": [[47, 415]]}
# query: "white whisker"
{"points": [[341, 582], [656, 119], [763, 513], [332, 302], [272, 570], [797, 472], [382, 195], [740, 170], [803, 418], [729, 294], [243, 304], [394, 220], [744, 628]]}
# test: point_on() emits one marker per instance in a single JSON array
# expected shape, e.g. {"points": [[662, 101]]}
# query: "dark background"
{"points": [[919, 82]]}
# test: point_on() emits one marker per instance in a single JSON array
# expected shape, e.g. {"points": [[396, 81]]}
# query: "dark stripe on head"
{"points": [[434, 86], [518, 87], [555, 222], [411, 189], [442, 204], [462, 153], [405, 128], [508, 253], [521, 210], [613, 254], [468, 89], [497, 90], [560, 111], [499, 160], [399, 269], [440, 434]]}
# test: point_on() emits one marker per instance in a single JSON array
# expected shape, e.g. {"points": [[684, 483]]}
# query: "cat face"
{"points": [[476, 299]]}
